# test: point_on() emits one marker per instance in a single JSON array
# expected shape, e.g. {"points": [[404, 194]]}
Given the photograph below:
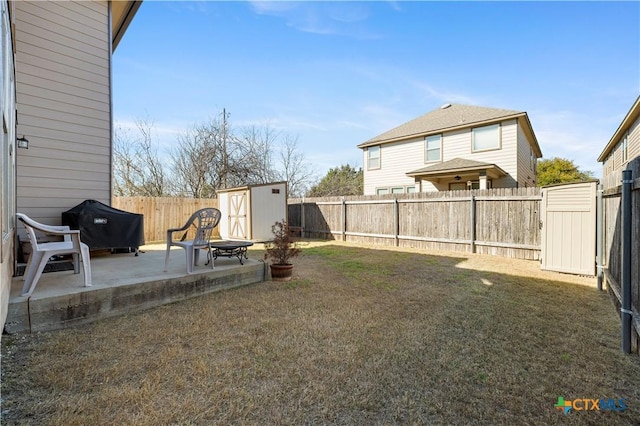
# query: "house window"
{"points": [[486, 138], [532, 161], [411, 189], [397, 190], [382, 191], [373, 157], [625, 150], [432, 145]]}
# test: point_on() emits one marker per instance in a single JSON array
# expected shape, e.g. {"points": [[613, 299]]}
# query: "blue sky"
{"points": [[335, 74]]}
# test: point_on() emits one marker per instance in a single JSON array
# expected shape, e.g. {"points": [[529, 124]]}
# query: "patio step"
{"points": [[47, 310]]}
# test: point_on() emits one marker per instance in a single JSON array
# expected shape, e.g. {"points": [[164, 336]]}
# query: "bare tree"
{"points": [[198, 161], [254, 155], [137, 167], [207, 158], [125, 171], [294, 168]]}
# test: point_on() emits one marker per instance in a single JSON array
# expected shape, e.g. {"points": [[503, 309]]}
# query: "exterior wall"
{"points": [[64, 105], [615, 161], [7, 163], [267, 207], [525, 173], [398, 158]]}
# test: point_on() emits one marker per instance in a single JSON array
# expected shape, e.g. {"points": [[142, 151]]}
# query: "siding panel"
{"points": [[63, 103]]}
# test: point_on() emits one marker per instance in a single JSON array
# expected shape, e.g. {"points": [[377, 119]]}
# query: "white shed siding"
{"points": [[63, 102]]}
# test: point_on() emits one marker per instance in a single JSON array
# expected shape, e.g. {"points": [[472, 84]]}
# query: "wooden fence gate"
{"points": [[569, 228]]}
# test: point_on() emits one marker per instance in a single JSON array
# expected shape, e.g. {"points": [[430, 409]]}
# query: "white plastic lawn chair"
{"points": [[205, 220], [42, 252]]}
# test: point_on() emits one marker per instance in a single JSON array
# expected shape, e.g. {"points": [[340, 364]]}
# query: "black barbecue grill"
{"points": [[103, 227]]}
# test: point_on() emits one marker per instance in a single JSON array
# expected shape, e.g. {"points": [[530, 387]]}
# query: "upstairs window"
{"points": [[373, 157], [486, 138], [432, 148], [625, 149]]}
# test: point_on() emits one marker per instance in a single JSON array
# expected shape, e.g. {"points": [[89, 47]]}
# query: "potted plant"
{"points": [[280, 250]]}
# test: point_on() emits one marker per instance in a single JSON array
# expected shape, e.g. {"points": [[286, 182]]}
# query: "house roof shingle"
{"points": [[449, 117]]}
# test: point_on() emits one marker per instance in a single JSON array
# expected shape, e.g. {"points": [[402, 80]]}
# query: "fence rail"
{"points": [[162, 213], [502, 221]]}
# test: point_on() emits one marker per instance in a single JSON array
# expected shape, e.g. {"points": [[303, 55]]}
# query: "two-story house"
{"points": [[451, 148], [623, 147]]}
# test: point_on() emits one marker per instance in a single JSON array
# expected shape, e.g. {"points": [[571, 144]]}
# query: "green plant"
{"points": [[283, 247]]}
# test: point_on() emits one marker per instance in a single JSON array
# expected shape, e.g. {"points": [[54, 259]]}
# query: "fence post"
{"points": [[343, 213], [625, 281], [302, 225], [396, 222], [599, 232], [472, 243]]}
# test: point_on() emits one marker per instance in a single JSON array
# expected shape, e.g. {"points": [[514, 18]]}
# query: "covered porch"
{"points": [[123, 283], [457, 174]]}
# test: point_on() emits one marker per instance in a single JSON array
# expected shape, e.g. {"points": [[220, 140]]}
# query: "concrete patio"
{"points": [[122, 283]]}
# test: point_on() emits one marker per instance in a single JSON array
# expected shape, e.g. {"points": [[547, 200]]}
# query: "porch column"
{"points": [[483, 180]]}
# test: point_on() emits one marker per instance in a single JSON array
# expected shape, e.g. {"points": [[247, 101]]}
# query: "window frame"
{"points": [[498, 127], [427, 149], [370, 149], [383, 190]]}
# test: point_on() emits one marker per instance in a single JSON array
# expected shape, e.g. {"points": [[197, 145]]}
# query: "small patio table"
{"points": [[229, 248]]}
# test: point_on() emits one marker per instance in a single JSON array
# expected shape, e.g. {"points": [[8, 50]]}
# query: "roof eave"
{"points": [[458, 170], [450, 129], [626, 123], [122, 13]]}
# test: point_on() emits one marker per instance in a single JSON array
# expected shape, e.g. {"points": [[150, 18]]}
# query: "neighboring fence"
{"points": [[613, 248], [504, 221], [161, 214]]}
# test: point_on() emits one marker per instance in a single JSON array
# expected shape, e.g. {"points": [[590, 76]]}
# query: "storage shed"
{"points": [[248, 212]]}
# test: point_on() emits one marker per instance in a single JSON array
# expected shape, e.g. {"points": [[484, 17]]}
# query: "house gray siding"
{"points": [[64, 105]]}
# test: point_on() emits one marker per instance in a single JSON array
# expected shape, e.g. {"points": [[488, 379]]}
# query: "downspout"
{"points": [[625, 309]]}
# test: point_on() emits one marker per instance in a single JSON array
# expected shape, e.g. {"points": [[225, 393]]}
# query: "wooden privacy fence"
{"points": [[504, 221], [162, 213], [620, 258]]}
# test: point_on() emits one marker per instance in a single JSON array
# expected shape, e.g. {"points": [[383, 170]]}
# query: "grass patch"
{"points": [[458, 340]]}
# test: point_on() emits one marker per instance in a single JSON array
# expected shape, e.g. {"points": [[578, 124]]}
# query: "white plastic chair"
{"points": [[42, 252], [205, 220]]}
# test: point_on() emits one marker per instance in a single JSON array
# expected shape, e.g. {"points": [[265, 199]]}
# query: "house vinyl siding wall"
{"points": [[526, 176], [398, 158], [64, 105]]}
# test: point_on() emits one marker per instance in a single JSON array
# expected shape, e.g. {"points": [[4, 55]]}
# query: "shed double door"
{"points": [[238, 214], [569, 228]]}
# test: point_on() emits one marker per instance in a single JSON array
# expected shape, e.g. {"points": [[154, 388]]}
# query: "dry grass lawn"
{"points": [[360, 336]]}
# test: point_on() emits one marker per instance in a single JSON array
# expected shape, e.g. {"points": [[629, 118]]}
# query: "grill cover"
{"points": [[103, 227]]}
